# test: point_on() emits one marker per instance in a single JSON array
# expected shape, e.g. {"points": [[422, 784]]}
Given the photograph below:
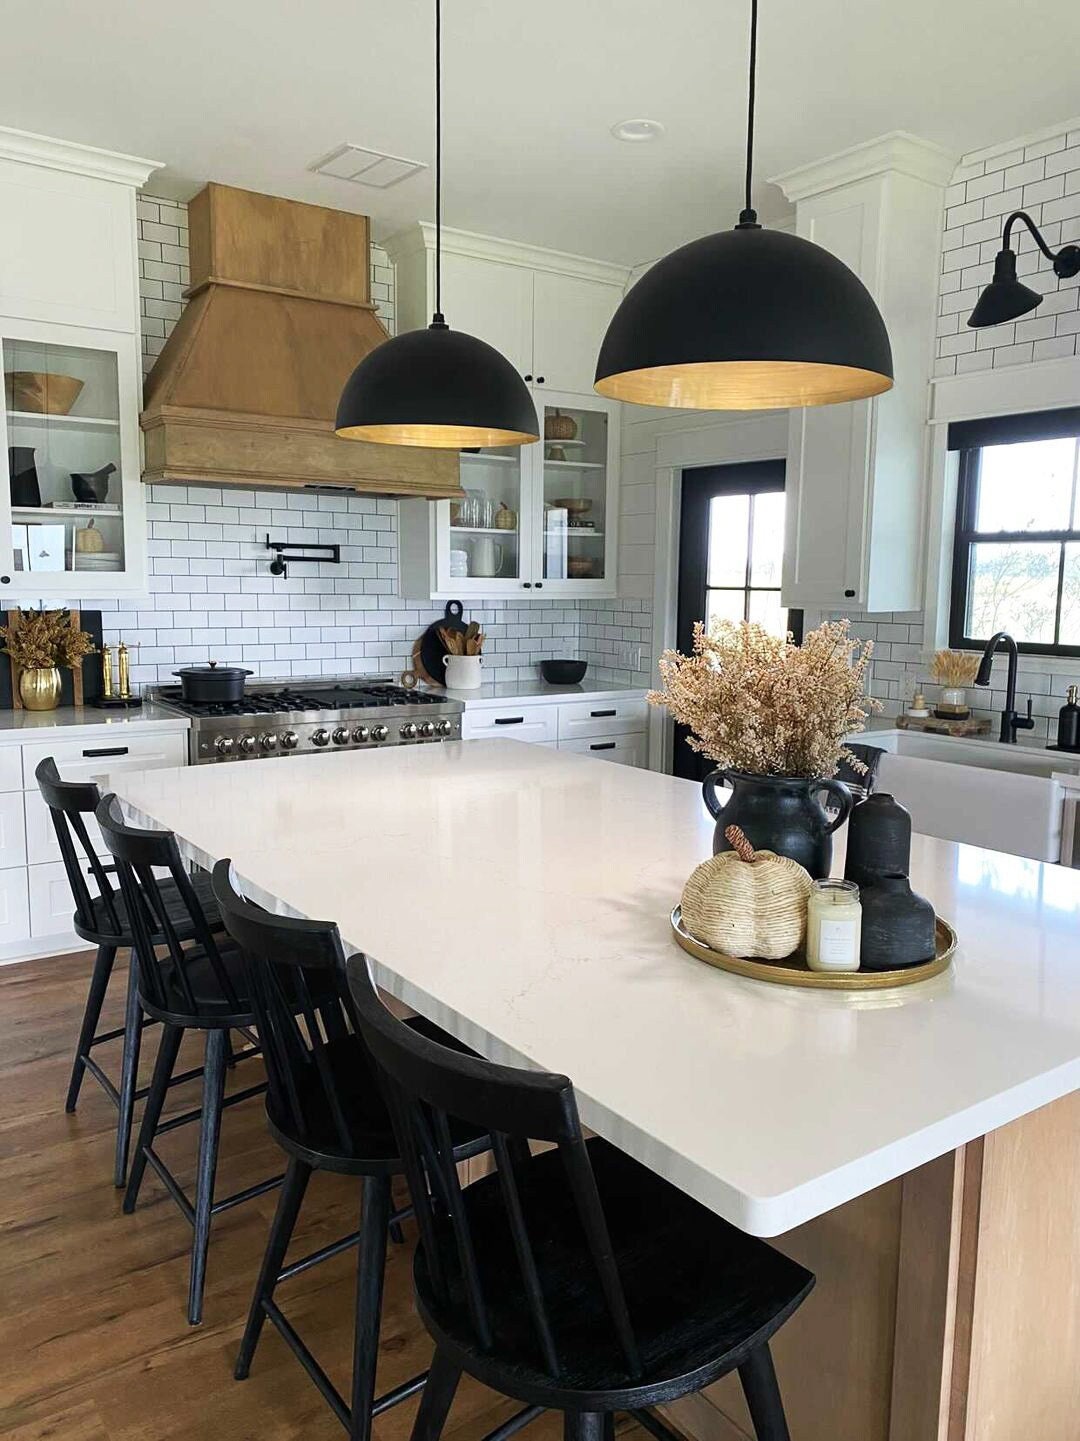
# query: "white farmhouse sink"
{"points": [[984, 793]]}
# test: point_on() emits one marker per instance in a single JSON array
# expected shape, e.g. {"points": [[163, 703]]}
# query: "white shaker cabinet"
{"points": [[69, 355], [856, 471]]}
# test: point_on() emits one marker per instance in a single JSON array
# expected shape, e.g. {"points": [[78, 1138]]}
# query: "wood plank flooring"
{"points": [[94, 1345]]}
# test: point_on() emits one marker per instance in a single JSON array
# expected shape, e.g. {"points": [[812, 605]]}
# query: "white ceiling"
{"points": [[250, 92]]}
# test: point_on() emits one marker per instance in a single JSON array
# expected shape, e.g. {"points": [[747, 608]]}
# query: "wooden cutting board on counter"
{"points": [[428, 650]]}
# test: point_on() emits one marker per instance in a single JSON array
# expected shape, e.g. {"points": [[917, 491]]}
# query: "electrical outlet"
{"points": [[909, 684], [628, 656]]}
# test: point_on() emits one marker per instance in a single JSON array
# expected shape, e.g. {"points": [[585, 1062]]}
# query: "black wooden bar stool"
{"points": [[101, 918], [196, 985], [575, 1279], [325, 1110]]}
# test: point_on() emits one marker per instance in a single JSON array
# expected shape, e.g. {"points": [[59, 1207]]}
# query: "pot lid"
{"points": [[227, 672]]}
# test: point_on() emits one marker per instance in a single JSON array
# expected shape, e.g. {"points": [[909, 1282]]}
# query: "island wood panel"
{"points": [[1024, 1377]]}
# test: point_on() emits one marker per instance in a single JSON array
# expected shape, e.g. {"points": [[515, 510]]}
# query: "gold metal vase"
{"points": [[39, 687]]}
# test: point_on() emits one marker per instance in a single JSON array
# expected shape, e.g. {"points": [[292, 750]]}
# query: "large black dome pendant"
{"points": [[438, 387], [748, 319]]}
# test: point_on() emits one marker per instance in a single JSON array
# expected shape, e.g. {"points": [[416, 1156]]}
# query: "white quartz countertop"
{"points": [[494, 692], [19, 725], [520, 897]]}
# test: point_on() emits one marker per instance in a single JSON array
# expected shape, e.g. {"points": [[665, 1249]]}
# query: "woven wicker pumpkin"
{"points": [[560, 427], [747, 903]]}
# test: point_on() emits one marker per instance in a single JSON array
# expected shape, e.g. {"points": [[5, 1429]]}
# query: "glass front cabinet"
{"points": [[538, 518], [71, 506]]}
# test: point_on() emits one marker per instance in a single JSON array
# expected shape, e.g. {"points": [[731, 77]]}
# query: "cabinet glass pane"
{"points": [[575, 492], [62, 406], [485, 527]]}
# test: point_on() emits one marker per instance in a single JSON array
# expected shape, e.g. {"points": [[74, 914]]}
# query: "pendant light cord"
{"points": [[748, 216], [437, 319]]}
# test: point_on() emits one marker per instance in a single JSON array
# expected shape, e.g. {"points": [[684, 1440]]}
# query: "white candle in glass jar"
{"points": [[833, 926]]}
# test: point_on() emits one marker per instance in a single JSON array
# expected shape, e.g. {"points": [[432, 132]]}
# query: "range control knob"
{"points": [[379, 733], [224, 745], [408, 731], [361, 734], [268, 741], [342, 736], [289, 741], [248, 744], [321, 738], [445, 728], [427, 730]]}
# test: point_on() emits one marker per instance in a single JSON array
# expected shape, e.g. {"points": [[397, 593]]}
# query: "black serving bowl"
{"points": [[563, 672]]}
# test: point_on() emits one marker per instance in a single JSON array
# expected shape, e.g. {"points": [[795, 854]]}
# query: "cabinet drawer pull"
{"points": [[107, 751], [603, 746], [602, 714], [509, 720]]}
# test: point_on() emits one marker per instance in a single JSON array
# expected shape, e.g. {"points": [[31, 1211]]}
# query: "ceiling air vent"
{"points": [[366, 167]]}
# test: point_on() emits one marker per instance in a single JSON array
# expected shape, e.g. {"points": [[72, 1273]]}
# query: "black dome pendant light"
{"points": [[437, 387], [748, 319]]}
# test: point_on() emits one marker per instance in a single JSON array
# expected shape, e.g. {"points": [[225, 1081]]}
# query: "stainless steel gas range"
{"points": [[297, 717]]}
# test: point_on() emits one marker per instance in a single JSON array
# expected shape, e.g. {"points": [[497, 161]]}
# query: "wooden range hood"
{"points": [[246, 388]]}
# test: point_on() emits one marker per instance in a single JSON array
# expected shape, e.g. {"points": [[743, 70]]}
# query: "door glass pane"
{"points": [[1027, 486], [767, 557], [575, 492], [63, 433], [724, 605], [1012, 585], [485, 527], [729, 535], [1070, 597], [766, 609]]}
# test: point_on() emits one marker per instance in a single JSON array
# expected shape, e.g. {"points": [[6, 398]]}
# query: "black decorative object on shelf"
{"points": [[747, 319], [1007, 298], [897, 925], [878, 840], [778, 813], [437, 387], [92, 485], [22, 471]]}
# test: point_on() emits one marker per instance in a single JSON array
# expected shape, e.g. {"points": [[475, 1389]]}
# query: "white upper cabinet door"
{"points": [[70, 255], [570, 316], [493, 302]]}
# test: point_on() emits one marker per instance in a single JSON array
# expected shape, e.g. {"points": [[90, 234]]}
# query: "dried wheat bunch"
{"points": [[953, 668], [756, 702]]}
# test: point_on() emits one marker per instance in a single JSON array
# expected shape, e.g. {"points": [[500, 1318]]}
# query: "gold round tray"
{"points": [[793, 971]]}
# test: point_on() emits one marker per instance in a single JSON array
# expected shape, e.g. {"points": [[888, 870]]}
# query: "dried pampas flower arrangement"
{"points": [[759, 703]]}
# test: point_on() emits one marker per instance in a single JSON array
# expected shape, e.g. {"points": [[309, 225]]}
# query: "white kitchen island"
{"points": [[919, 1149]]}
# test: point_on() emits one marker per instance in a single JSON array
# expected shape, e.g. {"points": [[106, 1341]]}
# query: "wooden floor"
{"points": [[94, 1345]]}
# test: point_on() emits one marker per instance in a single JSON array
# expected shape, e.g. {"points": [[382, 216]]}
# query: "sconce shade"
{"points": [[1005, 298]]}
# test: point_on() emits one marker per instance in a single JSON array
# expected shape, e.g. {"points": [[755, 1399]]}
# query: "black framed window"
{"points": [[731, 553], [1016, 555]]}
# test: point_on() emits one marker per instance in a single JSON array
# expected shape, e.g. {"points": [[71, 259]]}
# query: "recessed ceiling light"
{"points": [[636, 131]]}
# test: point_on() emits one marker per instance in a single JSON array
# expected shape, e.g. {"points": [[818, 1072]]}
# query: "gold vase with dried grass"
{"points": [[773, 715], [39, 643]]}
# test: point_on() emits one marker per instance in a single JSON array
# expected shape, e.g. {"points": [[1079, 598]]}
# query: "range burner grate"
{"points": [[309, 698]]}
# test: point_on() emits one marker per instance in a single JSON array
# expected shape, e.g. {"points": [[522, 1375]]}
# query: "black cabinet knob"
{"points": [[5, 579], [539, 380], [539, 585], [850, 594], [527, 584], [528, 377]]}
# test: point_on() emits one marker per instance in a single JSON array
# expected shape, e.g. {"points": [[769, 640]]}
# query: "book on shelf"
{"points": [[78, 505]]}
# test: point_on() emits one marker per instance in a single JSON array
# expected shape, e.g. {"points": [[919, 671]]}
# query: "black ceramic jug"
{"points": [[878, 840], [897, 925], [778, 813]]}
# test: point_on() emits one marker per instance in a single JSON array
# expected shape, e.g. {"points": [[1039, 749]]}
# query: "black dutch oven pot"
{"points": [[213, 683]]}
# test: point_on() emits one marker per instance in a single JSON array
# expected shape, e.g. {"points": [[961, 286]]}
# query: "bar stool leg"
{"points": [[217, 1045], [370, 1270], [583, 1426], [437, 1398], [99, 984], [168, 1050], [129, 1073], [758, 1378], [288, 1208]]}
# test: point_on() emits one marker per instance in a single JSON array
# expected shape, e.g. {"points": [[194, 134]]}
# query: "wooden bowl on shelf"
{"points": [[580, 567], [574, 504], [41, 392]]}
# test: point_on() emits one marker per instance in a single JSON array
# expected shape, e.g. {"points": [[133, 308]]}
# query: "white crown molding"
{"points": [[898, 152], [1013, 390], [30, 149], [421, 236]]}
